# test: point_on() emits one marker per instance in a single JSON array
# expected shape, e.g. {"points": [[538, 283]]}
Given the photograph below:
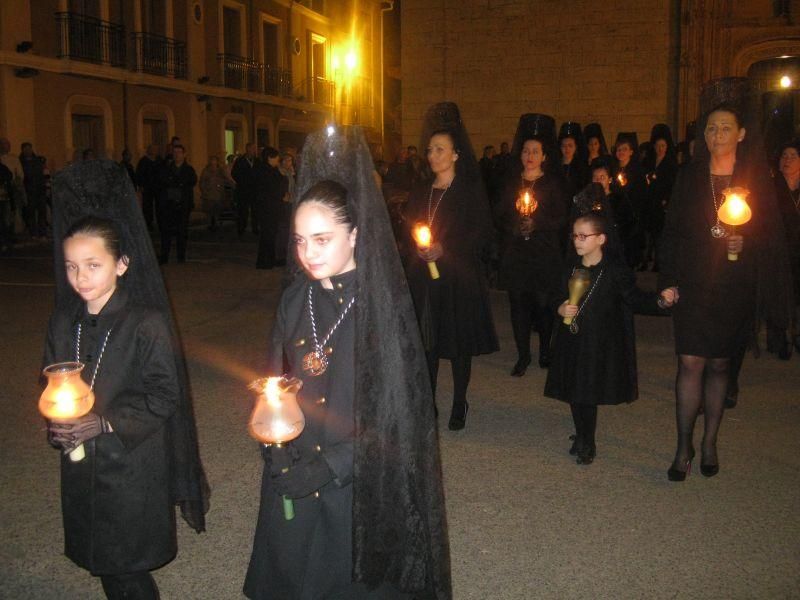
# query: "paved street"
{"points": [[525, 521]]}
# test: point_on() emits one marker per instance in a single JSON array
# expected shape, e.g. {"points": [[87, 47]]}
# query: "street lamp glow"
{"points": [[335, 63], [350, 60], [786, 82]]}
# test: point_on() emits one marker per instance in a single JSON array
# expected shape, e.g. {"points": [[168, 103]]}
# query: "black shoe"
{"points": [[674, 474], [520, 368], [586, 454], [573, 450], [544, 361], [709, 470], [731, 401], [458, 417]]}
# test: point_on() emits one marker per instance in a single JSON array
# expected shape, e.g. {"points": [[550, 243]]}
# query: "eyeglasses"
{"points": [[582, 236]]}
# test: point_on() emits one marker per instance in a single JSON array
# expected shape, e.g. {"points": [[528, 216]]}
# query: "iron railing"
{"points": [[323, 91], [247, 74], [158, 55], [90, 39]]}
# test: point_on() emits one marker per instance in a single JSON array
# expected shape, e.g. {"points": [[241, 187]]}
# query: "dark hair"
{"points": [[599, 163], [729, 108], [174, 137], [105, 229], [176, 146], [598, 222], [414, 148], [270, 152], [333, 196]]}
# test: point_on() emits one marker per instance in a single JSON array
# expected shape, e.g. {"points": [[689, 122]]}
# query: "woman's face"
{"points": [[441, 154], [790, 163], [602, 177], [568, 148], [92, 270], [723, 134], [624, 153], [594, 146], [325, 248], [286, 163], [532, 155], [660, 148]]}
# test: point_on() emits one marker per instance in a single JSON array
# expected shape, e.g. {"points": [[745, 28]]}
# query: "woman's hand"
{"points": [[567, 310], [432, 253], [669, 297], [735, 244]]}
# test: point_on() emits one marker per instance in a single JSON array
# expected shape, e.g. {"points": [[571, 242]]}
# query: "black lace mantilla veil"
{"points": [[399, 524], [102, 188], [774, 292], [445, 116]]}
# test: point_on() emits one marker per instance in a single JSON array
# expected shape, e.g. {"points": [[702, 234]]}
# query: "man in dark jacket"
{"points": [[147, 178], [175, 203], [35, 190], [245, 173], [271, 186]]}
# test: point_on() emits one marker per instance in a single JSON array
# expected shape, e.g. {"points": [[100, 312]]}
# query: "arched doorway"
{"points": [[777, 81]]}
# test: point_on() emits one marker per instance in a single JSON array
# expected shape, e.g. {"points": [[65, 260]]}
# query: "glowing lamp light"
{"points": [[66, 396], [277, 417], [786, 82], [350, 60], [335, 62], [622, 179], [424, 238], [526, 204], [735, 211], [331, 130]]}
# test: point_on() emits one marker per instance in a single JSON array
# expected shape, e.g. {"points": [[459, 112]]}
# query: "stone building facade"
{"points": [[106, 75], [624, 64]]}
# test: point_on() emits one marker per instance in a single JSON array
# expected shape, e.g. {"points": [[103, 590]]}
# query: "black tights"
{"points": [[461, 368], [527, 309], [699, 380], [585, 418], [130, 586]]}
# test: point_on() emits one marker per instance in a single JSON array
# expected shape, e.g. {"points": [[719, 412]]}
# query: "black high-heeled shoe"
{"points": [[544, 361], [586, 454], [458, 417], [520, 368], [709, 470], [674, 474], [573, 450]]}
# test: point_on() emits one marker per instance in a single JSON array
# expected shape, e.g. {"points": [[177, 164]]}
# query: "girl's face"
{"points": [[532, 155], [92, 270], [592, 244], [660, 148], [568, 147], [441, 154], [601, 176], [624, 153], [594, 146], [790, 163], [325, 248], [722, 133]]}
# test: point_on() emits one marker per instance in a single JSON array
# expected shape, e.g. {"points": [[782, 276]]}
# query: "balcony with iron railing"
{"points": [[158, 55], [89, 39], [241, 73]]}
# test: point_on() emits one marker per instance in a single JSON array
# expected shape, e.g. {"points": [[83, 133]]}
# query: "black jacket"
{"points": [[245, 174], [148, 174], [177, 185], [118, 515]]}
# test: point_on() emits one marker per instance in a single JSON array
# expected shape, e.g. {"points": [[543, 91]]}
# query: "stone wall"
{"points": [[577, 60]]}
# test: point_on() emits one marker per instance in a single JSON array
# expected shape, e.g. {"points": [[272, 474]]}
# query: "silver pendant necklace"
{"points": [[99, 357], [316, 362], [717, 230], [573, 327], [432, 213]]}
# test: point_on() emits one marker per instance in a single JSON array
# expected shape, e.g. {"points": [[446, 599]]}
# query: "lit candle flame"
{"points": [[526, 204], [272, 391], [423, 236], [65, 405], [622, 179], [735, 210]]}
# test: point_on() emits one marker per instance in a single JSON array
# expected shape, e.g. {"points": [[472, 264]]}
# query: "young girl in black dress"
{"points": [[594, 358]]}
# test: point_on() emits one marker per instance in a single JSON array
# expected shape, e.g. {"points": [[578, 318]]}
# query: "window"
{"points": [[87, 133], [155, 131], [154, 16], [232, 31], [315, 5], [269, 41]]}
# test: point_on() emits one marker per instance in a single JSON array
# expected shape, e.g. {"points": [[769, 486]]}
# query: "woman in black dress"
{"points": [[661, 167], [364, 475], [629, 181], [715, 299], [573, 156], [454, 311], [595, 142], [530, 266]]}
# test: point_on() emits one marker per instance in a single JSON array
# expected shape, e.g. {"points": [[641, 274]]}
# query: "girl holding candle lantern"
{"points": [[365, 468], [531, 261], [454, 311], [594, 345], [139, 440], [717, 301]]}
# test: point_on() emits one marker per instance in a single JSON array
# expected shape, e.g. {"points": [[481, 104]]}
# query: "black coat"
{"points": [[118, 515], [148, 174], [660, 180], [535, 264], [310, 557], [635, 193], [454, 311], [597, 365], [245, 175], [790, 214], [720, 299], [177, 187], [577, 175]]}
